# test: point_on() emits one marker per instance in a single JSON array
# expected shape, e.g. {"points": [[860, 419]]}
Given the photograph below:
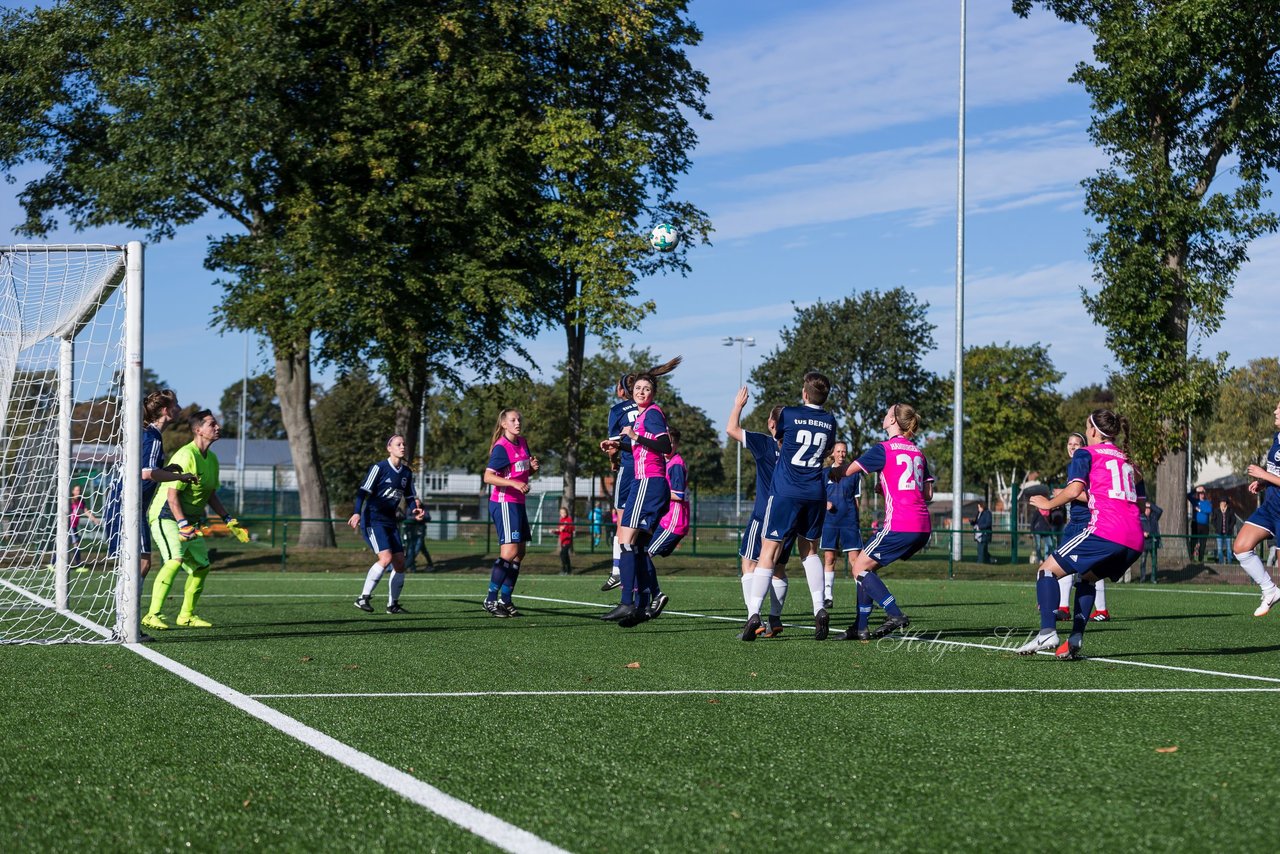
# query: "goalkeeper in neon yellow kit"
{"points": [[176, 514]]}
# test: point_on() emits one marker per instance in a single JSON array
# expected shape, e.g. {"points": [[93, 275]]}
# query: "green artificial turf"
{"points": [[102, 748]]}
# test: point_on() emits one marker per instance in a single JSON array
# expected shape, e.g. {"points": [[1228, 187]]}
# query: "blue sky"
{"points": [[829, 168]]}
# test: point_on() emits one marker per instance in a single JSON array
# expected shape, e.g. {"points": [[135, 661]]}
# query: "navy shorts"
{"points": [[383, 537], [510, 520], [785, 516], [750, 548], [664, 542], [888, 546], [1266, 518], [841, 537], [114, 525], [622, 488], [647, 503], [1087, 552], [1073, 529]]}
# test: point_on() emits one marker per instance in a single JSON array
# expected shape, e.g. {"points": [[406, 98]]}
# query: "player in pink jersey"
{"points": [[1109, 544], [674, 525], [508, 472], [645, 505], [907, 486]]}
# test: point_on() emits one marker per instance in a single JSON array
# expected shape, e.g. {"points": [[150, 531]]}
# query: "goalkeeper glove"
{"points": [[188, 531], [233, 525]]}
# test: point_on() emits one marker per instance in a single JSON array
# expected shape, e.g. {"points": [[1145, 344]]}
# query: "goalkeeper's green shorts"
{"points": [[166, 540]]}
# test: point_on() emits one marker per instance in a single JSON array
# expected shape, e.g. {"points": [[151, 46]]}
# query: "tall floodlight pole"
{"points": [[957, 459], [240, 446], [742, 342]]}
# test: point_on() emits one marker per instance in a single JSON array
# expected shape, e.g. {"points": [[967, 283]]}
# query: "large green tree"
{"points": [[262, 412], [1012, 423], [612, 91], [353, 420], [1179, 92], [1245, 415], [310, 128], [871, 346]]}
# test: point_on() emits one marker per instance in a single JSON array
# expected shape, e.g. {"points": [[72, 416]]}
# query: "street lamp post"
{"points": [[742, 342]]}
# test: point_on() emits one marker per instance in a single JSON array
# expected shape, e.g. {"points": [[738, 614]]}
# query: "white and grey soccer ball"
{"points": [[664, 237]]}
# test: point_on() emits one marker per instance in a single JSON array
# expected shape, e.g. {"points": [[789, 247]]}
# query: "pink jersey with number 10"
{"points": [[1113, 495], [651, 423]]}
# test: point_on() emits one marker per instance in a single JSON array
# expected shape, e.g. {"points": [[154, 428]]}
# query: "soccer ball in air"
{"points": [[664, 237]]}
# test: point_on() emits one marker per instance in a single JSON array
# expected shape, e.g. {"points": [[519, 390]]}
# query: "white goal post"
{"points": [[70, 418]]}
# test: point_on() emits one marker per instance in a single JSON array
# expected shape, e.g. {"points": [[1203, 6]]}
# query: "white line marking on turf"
{"points": [[492, 829], [916, 639], [766, 692]]}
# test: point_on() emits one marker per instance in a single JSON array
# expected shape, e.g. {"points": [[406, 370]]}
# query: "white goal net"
{"points": [[70, 442]]}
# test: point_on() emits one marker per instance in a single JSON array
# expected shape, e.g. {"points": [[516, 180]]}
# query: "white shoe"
{"points": [[1269, 598], [1040, 643]]}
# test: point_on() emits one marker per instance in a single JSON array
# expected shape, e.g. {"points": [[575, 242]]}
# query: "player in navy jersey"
{"points": [[159, 409], [646, 504], [1264, 524], [618, 447], [508, 472], [377, 507], [764, 451], [797, 500], [840, 529], [907, 486], [1077, 521]]}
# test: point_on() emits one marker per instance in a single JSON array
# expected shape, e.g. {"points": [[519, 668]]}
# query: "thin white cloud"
{"points": [[920, 180], [860, 67]]}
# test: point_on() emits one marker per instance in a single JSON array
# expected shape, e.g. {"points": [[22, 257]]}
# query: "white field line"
{"points": [[492, 829], [891, 639], [765, 692]]}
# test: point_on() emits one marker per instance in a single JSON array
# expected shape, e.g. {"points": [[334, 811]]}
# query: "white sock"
{"points": [[617, 557], [1100, 601], [759, 588], [747, 583], [777, 596], [1064, 591], [394, 586], [1252, 564], [828, 582], [372, 578], [813, 574]]}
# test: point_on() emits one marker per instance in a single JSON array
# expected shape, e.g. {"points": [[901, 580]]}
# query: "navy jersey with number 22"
{"points": [[806, 433]]}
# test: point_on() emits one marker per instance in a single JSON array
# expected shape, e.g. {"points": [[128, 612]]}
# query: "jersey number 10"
{"points": [[1122, 487]]}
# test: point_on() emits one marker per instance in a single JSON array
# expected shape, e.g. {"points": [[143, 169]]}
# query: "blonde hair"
{"points": [[498, 429], [908, 419]]}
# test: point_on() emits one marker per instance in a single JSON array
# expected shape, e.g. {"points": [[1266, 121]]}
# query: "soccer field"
{"points": [[554, 730]]}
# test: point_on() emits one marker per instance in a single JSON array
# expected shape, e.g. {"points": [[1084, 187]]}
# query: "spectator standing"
{"points": [[1150, 539], [982, 533], [565, 531], [1224, 521], [1201, 512]]}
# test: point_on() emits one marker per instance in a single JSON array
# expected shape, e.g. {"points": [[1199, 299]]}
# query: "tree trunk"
{"points": [[293, 388], [1171, 495], [576, 338], [408, 393]]}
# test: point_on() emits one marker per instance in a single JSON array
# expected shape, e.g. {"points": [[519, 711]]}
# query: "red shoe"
{"points": [[1099, 616], [1068, 652], [1062, 615]]}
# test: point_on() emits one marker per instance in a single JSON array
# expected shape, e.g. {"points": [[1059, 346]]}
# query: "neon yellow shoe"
{"points": [[192, 621], [155, 622]]}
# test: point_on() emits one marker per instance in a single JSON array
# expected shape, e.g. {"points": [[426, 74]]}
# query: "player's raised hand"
{"points": [[741, 398]]}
